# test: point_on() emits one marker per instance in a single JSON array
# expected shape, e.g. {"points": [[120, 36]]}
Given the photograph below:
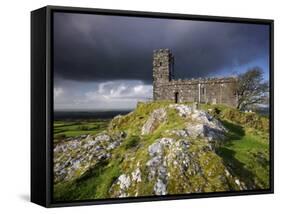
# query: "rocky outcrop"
{"points": [[184, 161], [157, 117], [199, 124], [181, 159], [157, 165], [74, 157], [183, 110], [177, 166]]}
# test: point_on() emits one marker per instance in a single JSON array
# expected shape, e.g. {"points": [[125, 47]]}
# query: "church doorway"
{"points": [[176, 97]]}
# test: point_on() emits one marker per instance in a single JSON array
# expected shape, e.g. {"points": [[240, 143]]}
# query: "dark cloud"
{"points": [[100, 48]]}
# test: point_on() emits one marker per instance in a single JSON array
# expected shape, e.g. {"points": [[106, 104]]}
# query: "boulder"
{"points": [[206, 132], [157, 117], [183, 110], [124, 182], [113, 145], [179, 132], [157, 147], [160, 188], [103, 138], [136, 175], [74, 157]]}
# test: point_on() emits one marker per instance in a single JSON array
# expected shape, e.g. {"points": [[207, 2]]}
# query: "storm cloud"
{"points": [[99, 48], [105, 62]]}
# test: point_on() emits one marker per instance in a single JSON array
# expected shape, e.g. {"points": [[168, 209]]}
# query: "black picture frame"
{"points": [[42, 103]]}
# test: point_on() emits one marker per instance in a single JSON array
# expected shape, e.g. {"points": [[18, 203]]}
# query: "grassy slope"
{"points": [[94, 184], [246, 152], [97, 182]]}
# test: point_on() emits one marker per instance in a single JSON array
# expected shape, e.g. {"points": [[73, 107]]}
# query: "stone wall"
{"points": [[212, 90]]}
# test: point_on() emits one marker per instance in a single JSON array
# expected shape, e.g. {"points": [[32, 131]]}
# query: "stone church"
{"points": [[211, 90]]}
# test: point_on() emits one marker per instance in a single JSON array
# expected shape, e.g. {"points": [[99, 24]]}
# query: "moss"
{"points": [[174, 186], [145, 188]]}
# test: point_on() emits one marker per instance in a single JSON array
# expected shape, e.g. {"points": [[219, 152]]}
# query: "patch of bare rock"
{"points": [[74, 157], [157, 117]]}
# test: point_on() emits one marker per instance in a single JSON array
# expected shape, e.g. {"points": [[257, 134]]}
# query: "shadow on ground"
{"points": [[237, 168]]}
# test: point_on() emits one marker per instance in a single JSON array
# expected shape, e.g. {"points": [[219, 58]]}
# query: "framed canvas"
{"points": [[141, 106]]}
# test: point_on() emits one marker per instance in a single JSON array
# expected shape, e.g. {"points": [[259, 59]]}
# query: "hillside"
{"points": [[162, 148]]}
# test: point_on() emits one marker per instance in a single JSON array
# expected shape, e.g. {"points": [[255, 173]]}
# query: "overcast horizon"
{"points": [[105, 62]]}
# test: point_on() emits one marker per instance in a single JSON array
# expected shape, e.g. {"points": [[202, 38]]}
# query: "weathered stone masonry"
{"points": [[211, 90]]}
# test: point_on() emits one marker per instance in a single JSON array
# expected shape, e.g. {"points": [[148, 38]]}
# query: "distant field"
{"points": [[64, 129]]}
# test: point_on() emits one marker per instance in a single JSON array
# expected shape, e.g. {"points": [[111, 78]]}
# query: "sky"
{"points": [[105, 62]]}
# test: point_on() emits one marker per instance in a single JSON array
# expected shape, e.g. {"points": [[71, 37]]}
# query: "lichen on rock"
{"points": [[183, 110], [74, 157], [157, 117]]}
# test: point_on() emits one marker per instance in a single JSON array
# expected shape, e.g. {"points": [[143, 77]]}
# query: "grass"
{"points": [[132, 141], [247, 155], [245, 152], [94, 184], [64, 129]]}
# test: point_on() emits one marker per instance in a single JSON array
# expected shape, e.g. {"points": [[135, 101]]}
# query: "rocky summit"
{"points": [[154, 150]]}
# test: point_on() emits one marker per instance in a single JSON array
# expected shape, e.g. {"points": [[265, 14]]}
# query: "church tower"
{"points": [[163, 63], [163, 68]]}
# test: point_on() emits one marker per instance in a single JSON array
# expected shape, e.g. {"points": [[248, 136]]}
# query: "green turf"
{"points": [[64, 129], [246, 153], [93, 184]]}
